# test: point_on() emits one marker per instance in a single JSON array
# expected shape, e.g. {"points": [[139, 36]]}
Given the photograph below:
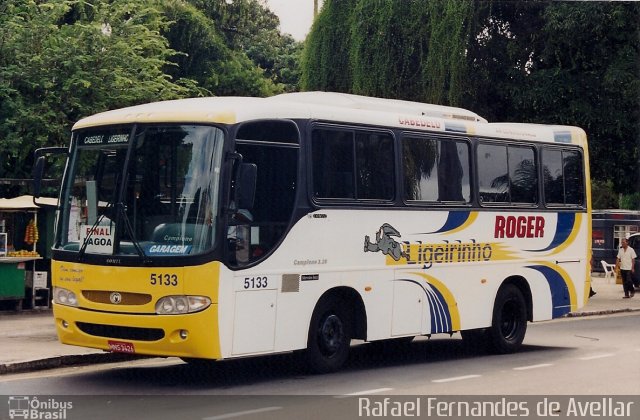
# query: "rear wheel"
{"points": [[329, 337], [509, 324]]}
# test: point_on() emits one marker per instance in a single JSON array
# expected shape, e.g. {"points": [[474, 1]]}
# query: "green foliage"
{"points": [[61, 60], [383, 48], [630, 201], [568, 63], [325, 59], [603, 196], [220, 36], [589, 79]]}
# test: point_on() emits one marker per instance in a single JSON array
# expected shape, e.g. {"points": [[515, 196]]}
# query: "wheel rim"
{"points": [[331, 335], [511, 319]]}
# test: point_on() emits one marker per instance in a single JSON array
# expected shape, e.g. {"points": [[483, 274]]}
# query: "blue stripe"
{"points": [[440, 317], [438, 308], [455, 219], [560, 298], [564, 228]]}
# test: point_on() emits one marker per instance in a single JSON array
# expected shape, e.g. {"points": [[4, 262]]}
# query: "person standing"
{"points": [[625, 260]]}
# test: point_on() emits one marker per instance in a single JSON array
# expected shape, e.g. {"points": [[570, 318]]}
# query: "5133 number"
{"points": [[256, 282], [163, 279]]}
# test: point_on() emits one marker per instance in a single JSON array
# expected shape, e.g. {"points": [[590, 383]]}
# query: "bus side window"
{"points": [[352, 164], [563, 177]]}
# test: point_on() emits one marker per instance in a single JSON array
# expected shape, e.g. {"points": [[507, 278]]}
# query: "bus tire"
{"points": [[329, 337], [509, 324]]}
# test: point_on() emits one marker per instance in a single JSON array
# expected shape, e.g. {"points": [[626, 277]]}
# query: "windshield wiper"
{"points": [[83, 248], [120, 208]]}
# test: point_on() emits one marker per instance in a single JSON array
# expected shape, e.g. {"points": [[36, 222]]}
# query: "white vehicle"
{"points": [[216, 228]]}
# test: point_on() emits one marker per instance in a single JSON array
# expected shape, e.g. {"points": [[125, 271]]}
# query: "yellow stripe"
{"points": [[452, 305]]}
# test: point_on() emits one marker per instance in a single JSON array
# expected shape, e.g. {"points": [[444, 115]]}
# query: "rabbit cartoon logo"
{"points": [[385, 242]]}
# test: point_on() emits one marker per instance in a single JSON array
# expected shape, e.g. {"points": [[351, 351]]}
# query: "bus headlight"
{"points": [[64, 296], [171, 305]]}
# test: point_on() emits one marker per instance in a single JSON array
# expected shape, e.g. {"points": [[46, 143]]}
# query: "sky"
{"points": [[295, 16]]}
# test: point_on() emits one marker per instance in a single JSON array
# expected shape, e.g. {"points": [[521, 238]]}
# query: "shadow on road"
{"points": [[207, 376]]}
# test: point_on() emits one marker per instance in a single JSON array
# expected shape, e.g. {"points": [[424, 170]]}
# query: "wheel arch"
{"points": [[351, 300], [523, 285]]}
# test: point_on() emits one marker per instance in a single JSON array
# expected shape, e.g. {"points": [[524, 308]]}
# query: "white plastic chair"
{"points": [[609, 270]]}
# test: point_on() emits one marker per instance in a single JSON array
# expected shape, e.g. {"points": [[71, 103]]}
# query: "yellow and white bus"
{"points": [[216, 228]]}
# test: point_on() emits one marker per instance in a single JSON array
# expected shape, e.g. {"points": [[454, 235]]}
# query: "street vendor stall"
{"points": [[18, 240]]}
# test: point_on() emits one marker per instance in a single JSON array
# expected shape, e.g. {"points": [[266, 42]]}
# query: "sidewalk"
{"points": [[29, 340]]}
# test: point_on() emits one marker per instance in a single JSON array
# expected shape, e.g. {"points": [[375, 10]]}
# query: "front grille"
{"points": [[127, 298], [124, 333]]}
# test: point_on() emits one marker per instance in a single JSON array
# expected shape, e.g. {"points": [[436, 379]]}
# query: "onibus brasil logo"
{"points": [[23, 407]]}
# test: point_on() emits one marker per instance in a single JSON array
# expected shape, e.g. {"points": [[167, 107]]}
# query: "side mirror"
{"points": [[245, 185], [38, 170], [40, 157]]}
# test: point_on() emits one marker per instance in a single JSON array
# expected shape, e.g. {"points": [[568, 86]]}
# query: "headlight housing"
{"points": [[179, 304], [64, 296]]}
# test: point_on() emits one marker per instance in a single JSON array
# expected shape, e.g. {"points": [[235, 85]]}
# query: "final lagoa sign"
{"points": [[98, 239]]}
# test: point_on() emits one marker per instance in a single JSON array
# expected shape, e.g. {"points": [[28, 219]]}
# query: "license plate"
{"points": [[121, 347]]}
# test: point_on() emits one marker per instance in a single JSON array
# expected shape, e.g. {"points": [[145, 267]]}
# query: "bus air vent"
{"points": [[104, 296], [123, 333]]}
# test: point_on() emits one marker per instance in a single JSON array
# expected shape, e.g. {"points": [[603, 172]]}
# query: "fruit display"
{"points": [[31, 235], [22, 253]]}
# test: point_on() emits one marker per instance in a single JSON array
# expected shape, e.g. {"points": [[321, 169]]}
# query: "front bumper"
{"points": [[149, 334]]}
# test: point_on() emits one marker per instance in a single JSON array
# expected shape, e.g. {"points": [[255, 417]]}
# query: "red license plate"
{"points": [[121, 347]]}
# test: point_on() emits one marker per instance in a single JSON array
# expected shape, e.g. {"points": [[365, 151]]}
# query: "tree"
{"points": [[63, 60], [238, 44], [325, 58], [383, 48], [591, 79], [565, 63], [60, 61]]}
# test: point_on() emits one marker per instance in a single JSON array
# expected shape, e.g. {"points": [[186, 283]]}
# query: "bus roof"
{"points": [[332, 106]]}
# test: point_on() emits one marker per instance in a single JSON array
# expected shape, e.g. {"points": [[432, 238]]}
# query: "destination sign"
{"points": [[103, 139]]}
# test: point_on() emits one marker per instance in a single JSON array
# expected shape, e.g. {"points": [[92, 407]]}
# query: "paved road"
{"points": [[594, 355]]}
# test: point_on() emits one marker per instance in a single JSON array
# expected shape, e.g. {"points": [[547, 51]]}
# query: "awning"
{"points": [[24, 203]]}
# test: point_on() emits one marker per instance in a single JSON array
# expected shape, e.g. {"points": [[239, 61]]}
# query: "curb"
{"points": [[65, 361], [603, 312]]}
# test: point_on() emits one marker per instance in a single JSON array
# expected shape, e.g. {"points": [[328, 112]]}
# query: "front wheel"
{"points": [[329, 337], [509, 323]]}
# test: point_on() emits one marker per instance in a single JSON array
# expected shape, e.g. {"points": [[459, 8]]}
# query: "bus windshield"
{"points": [[149, 190]]}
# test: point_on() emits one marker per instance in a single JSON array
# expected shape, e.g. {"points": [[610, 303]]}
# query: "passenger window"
{"points": [[507, 174], [523, 175], [493, 173], [563, 177], [350, 164], [435, 170]]}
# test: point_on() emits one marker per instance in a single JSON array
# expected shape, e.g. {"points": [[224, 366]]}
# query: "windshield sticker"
{"points": [[98, 239], [160, 250]]}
